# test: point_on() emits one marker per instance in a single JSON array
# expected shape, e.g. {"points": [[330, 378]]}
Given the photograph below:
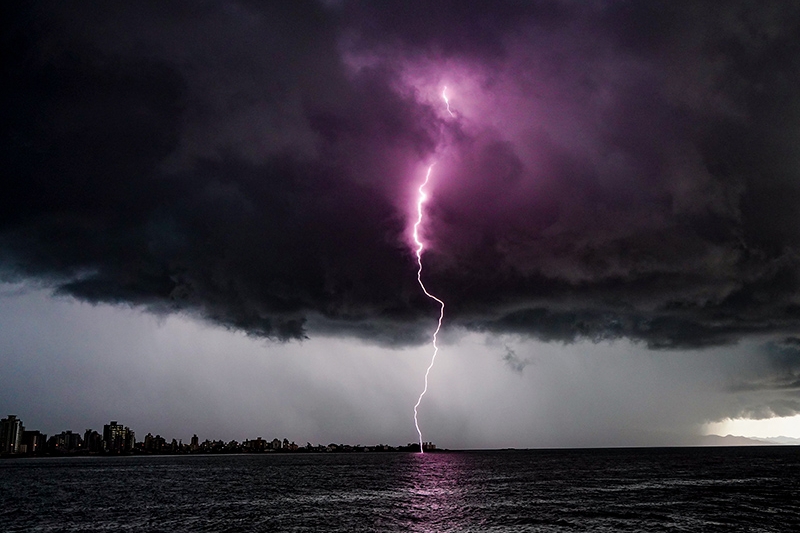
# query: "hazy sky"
{"points": [[205, 223]]}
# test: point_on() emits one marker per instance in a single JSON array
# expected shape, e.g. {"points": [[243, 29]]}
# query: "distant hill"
{"points": [[783, 440], [733, 440]]}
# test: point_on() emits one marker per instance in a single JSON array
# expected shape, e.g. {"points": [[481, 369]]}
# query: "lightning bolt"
{"points": [[420, 247], [446, 101]]}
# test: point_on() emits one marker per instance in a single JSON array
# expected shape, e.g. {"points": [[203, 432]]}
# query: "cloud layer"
{"points": [[613, 169]]}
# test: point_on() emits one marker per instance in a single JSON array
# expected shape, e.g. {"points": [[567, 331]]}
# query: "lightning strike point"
{"points": [[420, 247]]}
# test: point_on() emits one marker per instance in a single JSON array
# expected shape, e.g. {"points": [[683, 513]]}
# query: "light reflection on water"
{"points": [[435, 486], [556, 490]]}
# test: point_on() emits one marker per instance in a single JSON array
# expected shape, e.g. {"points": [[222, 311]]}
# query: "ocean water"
{"points": [[664, 489]]}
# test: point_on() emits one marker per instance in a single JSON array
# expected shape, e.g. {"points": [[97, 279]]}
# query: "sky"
{"points": [[207, 217]]}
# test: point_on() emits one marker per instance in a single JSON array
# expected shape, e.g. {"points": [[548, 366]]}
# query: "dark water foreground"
{"points": [[673, 489]]}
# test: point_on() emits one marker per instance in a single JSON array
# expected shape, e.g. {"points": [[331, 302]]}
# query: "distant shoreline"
{"points": [[400, 450]]}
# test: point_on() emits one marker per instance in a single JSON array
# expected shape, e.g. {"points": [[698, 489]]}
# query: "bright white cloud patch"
{"points": [[771, 427]]}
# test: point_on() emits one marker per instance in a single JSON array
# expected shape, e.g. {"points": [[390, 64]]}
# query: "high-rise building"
{"points": [[33, 442], [130, 439], [112, 436], [65, 442], [92, 441], [117, 439], [11, 430], [155, 444]]}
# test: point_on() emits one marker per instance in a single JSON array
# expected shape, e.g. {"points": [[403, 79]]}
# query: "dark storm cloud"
{"points": [[783, 374], [251, 244], [252, 164], [450, 27]]}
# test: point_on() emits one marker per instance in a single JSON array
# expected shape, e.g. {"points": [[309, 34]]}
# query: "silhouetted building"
{"points": [[257, 445], [11, 430], [33, 442], [195, 445], [118, 439], [157, 444], [65, 442], [92, 441]]}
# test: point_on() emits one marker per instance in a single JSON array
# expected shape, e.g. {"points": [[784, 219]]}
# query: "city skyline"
{"points": [[118, 439]]}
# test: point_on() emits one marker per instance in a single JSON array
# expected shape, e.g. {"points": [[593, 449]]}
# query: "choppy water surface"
{"points": [[676, 489]]}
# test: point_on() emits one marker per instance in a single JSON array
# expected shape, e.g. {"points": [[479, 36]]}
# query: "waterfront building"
{"points": [[33, 442], [11, 430], [65, 442], [92, 441], [117, 438]]}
